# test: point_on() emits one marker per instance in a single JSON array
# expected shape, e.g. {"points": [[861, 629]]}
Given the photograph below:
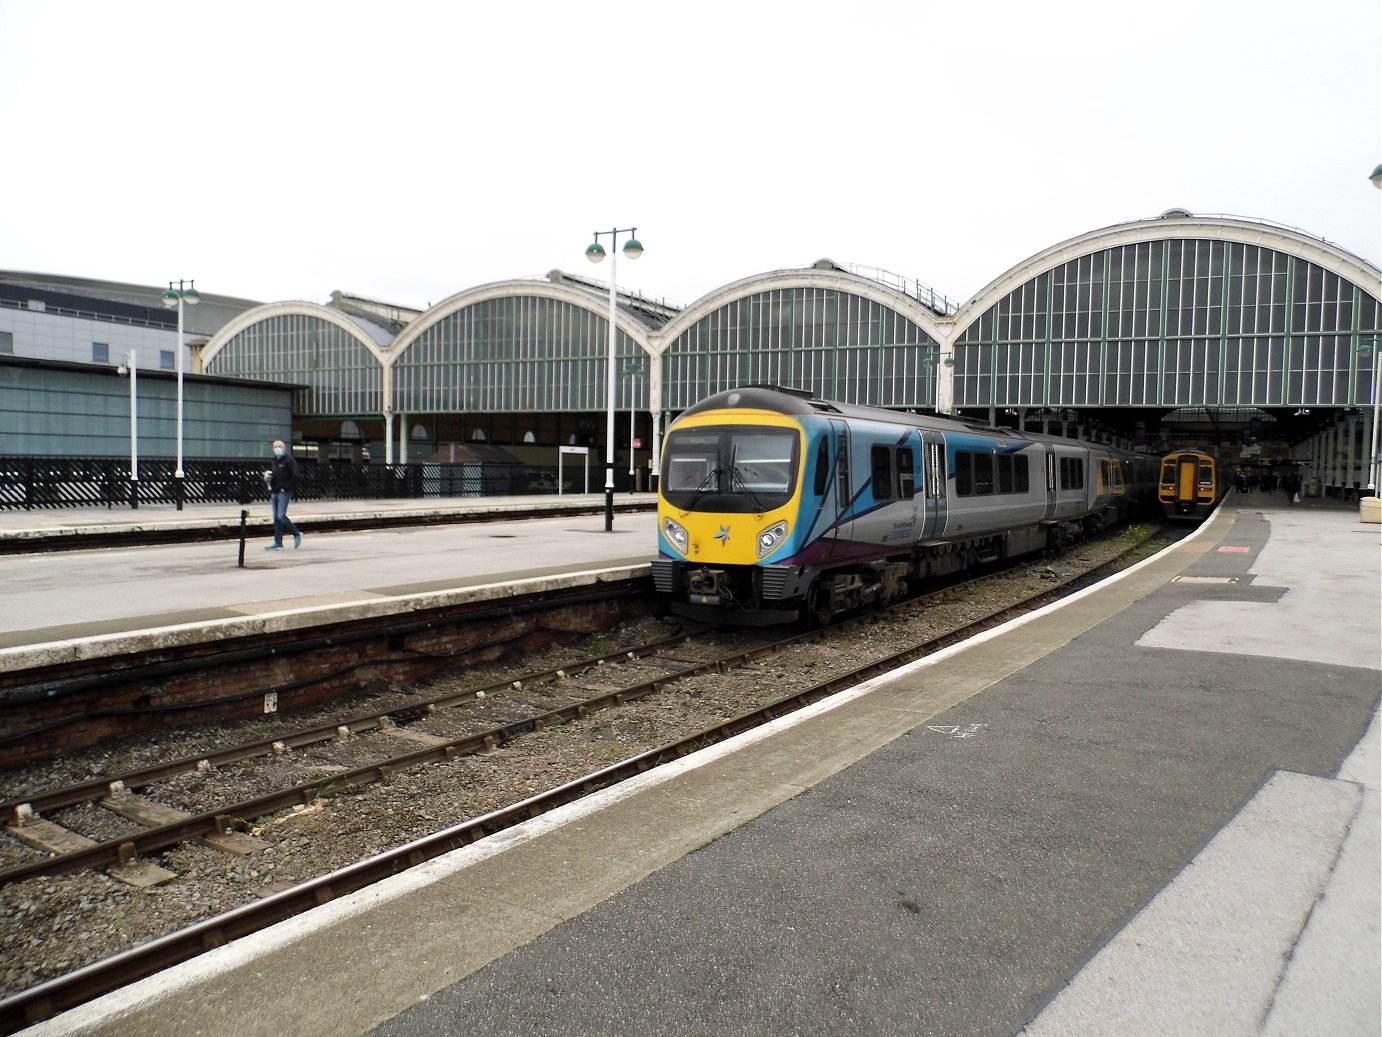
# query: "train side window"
{"points": [[1020, 481], [1005, 473], [1071, 473], [983, 474], [964, 474], [906, 474], [881, 465], [822, 466]]}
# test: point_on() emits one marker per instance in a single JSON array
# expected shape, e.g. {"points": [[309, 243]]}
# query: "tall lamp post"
{"points": [[1374, 462], [935, 358], [183, 294], [130, 368], [595, 253], [1368, 348]]}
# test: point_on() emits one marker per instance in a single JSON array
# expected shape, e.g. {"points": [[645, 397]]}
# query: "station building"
{"points": [[1251, 339]]}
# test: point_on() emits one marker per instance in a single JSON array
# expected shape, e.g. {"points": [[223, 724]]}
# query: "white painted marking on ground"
{"points": [[1329, 615]]}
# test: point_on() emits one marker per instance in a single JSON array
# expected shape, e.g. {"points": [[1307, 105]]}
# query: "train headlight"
{"points": [[770, 538], [674, 532]]}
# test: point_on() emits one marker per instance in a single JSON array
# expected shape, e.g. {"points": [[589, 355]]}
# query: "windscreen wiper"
{"points": [[712, 477], [737, 481], [736, 478]]}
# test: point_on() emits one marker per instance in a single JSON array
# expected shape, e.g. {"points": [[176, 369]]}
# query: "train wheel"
{"points": [[818, 611]]}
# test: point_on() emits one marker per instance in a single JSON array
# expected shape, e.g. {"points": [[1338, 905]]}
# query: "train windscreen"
{"points": [[736, 468]]}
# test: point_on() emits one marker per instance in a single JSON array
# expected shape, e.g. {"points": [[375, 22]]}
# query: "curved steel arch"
{"points": [[1281, 239], [854, 284], [510, 289], [1289, 340], [901, 366], [508, 374], [353, 383], [284, 309]]}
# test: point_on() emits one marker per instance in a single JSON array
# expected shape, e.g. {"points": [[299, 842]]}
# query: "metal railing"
{"points": [[28, 483]]}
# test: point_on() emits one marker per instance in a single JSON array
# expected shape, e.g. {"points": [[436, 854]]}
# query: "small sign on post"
{"points": [[562, 451]]}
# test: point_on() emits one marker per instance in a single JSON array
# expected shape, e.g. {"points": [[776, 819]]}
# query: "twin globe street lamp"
{"points": [[595, 252], [1371, 346], [186, 294]]}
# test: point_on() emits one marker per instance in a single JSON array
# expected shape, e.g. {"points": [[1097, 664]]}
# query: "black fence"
{"points": [[27, 483]]}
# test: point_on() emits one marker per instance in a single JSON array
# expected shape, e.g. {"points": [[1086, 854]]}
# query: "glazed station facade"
{"points": [[1118, 334]]}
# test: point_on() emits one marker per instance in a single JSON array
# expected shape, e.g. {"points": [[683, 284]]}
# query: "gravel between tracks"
{"points": [[52, 925]]}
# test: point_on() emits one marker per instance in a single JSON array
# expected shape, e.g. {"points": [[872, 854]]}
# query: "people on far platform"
{"points": [[282, 479]]}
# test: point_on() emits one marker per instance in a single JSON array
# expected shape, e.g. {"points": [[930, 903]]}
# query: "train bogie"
{"points": [[774, 505]]}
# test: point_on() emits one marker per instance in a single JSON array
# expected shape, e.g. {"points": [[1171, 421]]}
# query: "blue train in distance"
{"points": [[775, 506]]}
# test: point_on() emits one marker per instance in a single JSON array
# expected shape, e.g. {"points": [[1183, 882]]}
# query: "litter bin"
{"points": [[1370, 509]]}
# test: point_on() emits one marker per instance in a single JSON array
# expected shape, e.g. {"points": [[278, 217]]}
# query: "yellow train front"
{"points": [[1190, 486]]}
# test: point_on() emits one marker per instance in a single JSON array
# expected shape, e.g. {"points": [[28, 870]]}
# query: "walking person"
{"points": [[283, 483]]}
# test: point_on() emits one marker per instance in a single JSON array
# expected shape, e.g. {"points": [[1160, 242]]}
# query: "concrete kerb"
{"points": [[102, 646]]}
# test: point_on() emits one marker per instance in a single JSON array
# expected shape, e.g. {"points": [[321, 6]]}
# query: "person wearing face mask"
{"points": [[283, 483]]}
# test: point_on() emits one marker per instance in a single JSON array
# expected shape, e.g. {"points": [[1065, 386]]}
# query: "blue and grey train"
{"points": [[775, 506]]}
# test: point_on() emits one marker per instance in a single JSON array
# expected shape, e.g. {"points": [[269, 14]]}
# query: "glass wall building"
{"points": [[1172, 323]]}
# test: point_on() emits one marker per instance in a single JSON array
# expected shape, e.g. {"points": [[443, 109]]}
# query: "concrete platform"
{"points": [[1149, 809], [82, 604]]}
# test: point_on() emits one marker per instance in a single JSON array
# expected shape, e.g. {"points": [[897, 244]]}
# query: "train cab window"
{"points": [[906, 474], [1206, 474], [738, 469], [691, 466], [761, 462]]}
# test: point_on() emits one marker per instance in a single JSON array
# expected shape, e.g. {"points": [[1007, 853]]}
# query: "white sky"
{"points": [[407, 150]]}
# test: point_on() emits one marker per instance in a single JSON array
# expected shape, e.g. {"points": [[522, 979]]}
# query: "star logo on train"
{"points": [[723, 536]]}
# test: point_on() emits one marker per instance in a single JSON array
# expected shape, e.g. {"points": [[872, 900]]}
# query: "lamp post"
{"points": [[1368, 347], [1374, 462], [131, 368], [935, 358], [635, 368], [595, 253], [184, 293]]}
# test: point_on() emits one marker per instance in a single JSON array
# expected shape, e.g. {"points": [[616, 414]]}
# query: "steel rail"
{"points": [[63, 992]]}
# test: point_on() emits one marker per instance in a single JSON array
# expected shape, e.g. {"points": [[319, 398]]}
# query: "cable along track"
{"points": [[676, 662]]}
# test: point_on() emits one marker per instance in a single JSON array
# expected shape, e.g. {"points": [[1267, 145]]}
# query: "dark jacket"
{"points": [[285, 474]]}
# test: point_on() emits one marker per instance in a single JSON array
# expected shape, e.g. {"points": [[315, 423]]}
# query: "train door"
{"points": [[1052, 485], [933, 509], [1187, 478], [844, 492]]}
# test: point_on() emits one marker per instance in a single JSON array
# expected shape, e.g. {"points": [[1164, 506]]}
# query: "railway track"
{"points": [[668, 657]]}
